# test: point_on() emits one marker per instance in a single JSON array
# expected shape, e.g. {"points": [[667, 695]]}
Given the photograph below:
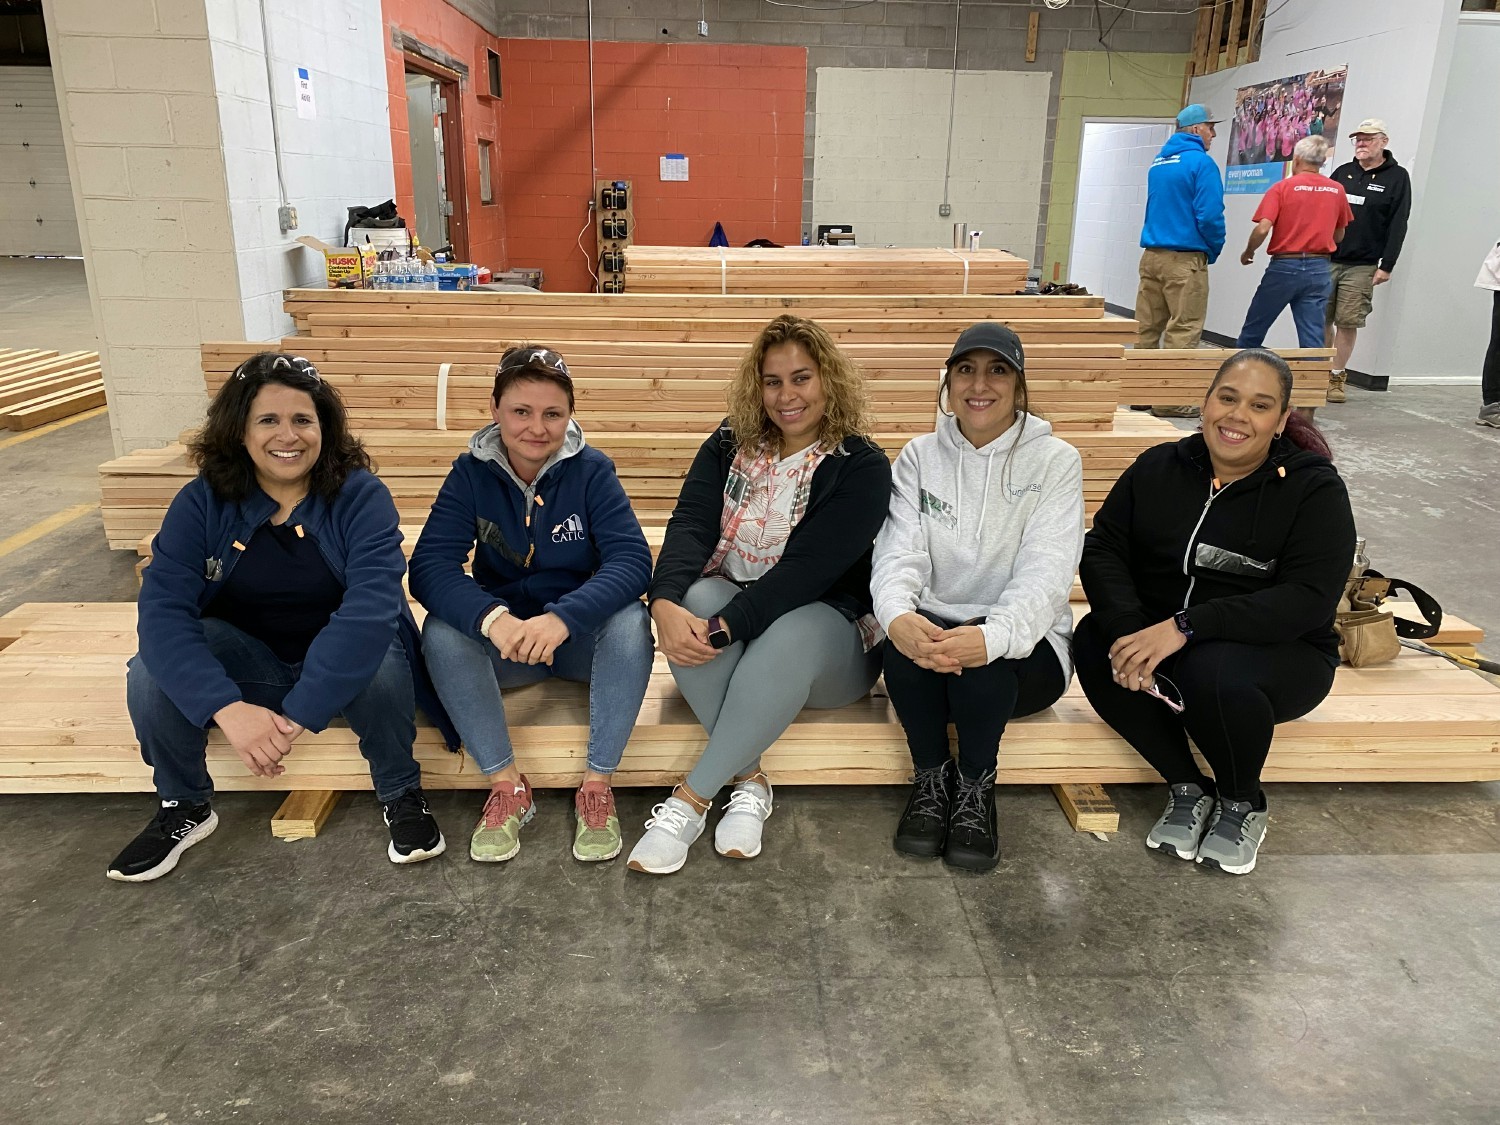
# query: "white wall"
{"points": [[1398, 53], [338, 158], [1441, 327], [882, 137], [36, 197], [1111, 207]]}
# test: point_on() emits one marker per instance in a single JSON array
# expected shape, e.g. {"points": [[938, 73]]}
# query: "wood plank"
{"points": [[1088, 807], [302, 814], [1236, 22]]}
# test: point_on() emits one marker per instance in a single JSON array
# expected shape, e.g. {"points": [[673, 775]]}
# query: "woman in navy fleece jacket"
{"points": [[560, 565], [273, 603]]}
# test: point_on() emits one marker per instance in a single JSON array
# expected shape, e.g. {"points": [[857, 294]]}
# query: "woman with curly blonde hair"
{"points": [[761, 594]]}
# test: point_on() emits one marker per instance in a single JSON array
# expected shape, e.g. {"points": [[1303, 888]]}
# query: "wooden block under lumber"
{"points": [[1088, 807], [302, 814]]}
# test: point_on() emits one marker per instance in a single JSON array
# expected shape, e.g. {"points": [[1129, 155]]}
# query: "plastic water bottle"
{"points": [[429, 277]]}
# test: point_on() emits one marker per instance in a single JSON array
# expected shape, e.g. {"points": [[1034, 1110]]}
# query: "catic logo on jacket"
{"points": [[569, 531]]}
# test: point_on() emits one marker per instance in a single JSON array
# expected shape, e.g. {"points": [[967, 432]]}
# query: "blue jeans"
{"points": [[383, 715], [470, 675], [1303, 283]]}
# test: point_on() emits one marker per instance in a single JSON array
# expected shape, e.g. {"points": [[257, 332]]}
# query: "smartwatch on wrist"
{"points": [[1183, 627], [718, 636]]}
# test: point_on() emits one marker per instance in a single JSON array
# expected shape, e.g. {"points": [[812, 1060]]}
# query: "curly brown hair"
{"points": [[218, 448], [847, 411]]}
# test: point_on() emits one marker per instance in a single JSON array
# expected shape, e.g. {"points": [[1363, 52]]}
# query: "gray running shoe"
{"points": [[673, 827], [1489, 415], [1181, 827], [1233, 837], [739, 830]]}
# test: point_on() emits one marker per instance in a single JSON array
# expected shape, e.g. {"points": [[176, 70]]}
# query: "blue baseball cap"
{"points": [[1196, 114]]}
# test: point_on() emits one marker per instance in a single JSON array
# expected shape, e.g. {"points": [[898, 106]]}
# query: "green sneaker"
{"points": [[497, 836], [597, 834]]}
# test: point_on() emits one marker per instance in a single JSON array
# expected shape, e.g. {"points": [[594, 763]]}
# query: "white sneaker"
{"points": [[738, 833], [673, 827]]}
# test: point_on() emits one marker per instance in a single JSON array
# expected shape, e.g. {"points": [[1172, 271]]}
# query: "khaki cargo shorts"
{"points": [[1352, 295]]}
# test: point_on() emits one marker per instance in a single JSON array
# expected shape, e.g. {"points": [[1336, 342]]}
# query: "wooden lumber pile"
{"points": [[37, 387], [65, 729], [821, 269], [1180, 376]]}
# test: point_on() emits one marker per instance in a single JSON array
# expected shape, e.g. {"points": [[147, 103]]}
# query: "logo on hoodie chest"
{"points": [[569, 531], [938, 509]]}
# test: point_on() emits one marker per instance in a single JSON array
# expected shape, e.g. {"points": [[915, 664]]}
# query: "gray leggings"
{"points": [[749, 694]]}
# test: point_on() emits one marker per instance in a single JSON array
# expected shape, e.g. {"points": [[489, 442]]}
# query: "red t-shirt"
{"points": [[1304, 211]]}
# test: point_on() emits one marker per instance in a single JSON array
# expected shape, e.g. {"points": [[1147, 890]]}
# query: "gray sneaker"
{"points": [[1489, 415], [738, 833], [1181, 827], [673, 827], [1233, 838]]}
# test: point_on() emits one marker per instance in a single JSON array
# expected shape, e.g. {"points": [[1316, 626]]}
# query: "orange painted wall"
{"points": [[736, 112], [439, 25]]}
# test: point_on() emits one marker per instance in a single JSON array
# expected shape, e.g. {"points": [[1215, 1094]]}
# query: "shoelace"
{"points": [[931, 795], [669, 818], [173, 821], [595, 806], [500, 807], [968, 809], [1234, 818], [744, 801], [1180, 806]]}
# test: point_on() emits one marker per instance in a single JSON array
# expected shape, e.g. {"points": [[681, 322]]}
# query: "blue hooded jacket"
{"points": [[199, 543], [567, 543], [1184, 199]]}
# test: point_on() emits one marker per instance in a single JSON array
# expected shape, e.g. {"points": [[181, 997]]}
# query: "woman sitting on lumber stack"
{"points": [[560, 565], [273, 603], [971, 578], [1212, 572], [761, 595]]}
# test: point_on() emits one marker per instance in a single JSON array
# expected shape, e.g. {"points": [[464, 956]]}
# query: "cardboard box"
{"points": [[342, 264]]}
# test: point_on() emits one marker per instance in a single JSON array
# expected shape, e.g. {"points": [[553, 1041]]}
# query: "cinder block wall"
{"points": [[991, 36]]}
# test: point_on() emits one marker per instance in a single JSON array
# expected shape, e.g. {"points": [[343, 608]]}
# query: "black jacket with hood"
{"points": [[1263, 560], [826, 557], [1381, 202]]}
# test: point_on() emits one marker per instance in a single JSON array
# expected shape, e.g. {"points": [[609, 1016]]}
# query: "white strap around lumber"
{"points": [[965, 261], [723, 272], [442, 396]]}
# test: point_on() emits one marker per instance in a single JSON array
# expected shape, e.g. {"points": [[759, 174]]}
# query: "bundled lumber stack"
{"points": [[37, 387], [821, 269], [1180, 376]]}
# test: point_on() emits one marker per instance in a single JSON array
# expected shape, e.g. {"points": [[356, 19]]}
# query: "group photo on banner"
{"points": [[1271, 117]]}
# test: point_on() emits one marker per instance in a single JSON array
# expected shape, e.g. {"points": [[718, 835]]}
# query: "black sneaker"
{"points": [[176, 827], [924, 825], [973, 842], [414, 832]]}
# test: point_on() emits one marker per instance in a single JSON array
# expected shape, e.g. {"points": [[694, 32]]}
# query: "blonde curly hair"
{"points": [[846, 412]]}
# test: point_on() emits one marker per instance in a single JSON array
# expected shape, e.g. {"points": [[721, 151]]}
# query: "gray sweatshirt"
{"points": [[978, 533]]}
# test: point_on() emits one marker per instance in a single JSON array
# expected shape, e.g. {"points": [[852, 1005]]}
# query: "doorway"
{"points": [[1110, 208], [435, 132]]}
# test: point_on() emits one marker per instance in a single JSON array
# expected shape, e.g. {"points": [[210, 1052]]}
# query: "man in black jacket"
{"points": [[1379, 192]]}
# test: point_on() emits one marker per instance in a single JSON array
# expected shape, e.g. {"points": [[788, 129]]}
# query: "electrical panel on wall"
{"points": [[615, 227]]}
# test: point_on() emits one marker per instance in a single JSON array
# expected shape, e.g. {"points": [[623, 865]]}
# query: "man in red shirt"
{"points": [[1305, 215]]}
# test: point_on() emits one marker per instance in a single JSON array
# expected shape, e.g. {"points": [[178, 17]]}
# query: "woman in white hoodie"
{"points": [[970, 581]]}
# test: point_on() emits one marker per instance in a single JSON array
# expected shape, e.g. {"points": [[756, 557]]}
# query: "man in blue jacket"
{"points": [[1183, 235]]}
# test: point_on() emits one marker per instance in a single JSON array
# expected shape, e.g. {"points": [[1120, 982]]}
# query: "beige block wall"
{"points": [[135, 90]]}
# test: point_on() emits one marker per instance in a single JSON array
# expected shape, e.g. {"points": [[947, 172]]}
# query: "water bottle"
{"points": [[429, 277]]}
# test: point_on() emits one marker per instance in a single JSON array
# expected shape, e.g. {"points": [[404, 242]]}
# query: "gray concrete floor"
{"points": [[44, 303], [1351, 977]]}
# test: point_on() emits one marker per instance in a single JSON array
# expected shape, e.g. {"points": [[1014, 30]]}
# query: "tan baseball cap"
{"points": [[1370, 125]]}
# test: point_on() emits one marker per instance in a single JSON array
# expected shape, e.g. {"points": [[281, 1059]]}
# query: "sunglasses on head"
{"points": [[545, 358], [286, 363]]}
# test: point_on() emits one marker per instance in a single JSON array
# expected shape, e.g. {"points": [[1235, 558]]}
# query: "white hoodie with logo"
{"points": [[981, 533]]}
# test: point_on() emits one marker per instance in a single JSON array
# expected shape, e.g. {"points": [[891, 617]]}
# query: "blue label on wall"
{"points": [[1253, 179]]}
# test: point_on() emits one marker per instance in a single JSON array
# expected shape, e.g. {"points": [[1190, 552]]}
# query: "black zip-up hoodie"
{"points": [[1262, 560], [826, 557], [1379, 227]]}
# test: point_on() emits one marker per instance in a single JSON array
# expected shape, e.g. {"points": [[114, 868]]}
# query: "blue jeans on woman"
{"points": [[383, 715], [1303, 283], [470, 674]]}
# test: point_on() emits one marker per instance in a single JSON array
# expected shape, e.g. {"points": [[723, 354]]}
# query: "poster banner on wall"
{"points": [[1271, 117]]}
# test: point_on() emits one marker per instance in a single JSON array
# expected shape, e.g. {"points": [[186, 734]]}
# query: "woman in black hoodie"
{"points": [[1212, 571]]}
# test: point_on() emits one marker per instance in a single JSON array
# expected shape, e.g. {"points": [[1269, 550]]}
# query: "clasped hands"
{"points": [[528, 640], [260, 736], [1134, 657], [928, 645], [681, 634]]}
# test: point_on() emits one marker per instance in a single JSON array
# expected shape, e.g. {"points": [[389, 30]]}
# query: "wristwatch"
{"points": [[1183, 627], [718, 636]]}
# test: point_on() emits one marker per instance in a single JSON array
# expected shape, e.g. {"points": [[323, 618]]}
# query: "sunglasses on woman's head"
{"points": [[545, 358], [286, 363]]}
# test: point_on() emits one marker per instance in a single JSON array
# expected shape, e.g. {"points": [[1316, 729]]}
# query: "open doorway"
{"points": [[1111, 205], [435, 128]]}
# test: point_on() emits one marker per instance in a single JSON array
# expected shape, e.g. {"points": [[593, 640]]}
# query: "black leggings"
{"points": [[1234, 694], [978, 703], [1490, 383]]}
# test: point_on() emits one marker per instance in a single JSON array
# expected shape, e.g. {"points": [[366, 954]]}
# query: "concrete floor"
{"points": [[1352, 977], [44, 303]]}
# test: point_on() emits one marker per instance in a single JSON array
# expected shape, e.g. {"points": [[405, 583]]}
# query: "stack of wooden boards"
{"points": [[37, 387], [820, 270]]}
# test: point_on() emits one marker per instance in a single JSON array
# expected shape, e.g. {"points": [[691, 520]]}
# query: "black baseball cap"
{"points": [[991, 337]]}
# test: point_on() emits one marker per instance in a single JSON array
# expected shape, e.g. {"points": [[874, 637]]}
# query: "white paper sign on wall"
{"points": [[306, 106], [674, 166]]}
